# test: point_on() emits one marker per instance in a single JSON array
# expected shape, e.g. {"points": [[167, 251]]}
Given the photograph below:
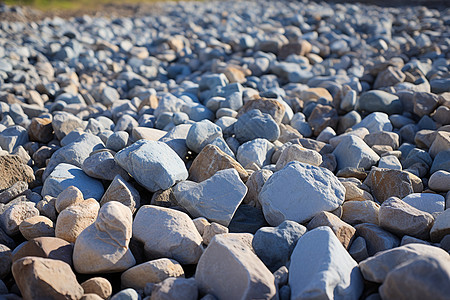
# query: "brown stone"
{"points": [[164, 198], [210, 160], [37, 226], [70, 196], [12, 169], [267, 106], [234, 75], [287, 133], [343, 231], [440, 143], [152, 101], [354, 193], [40, 130], [46, 247], [354, 212], [299, 48], [313, 94], [99, 286], [377, 239], [37, 277], [321, 117]]}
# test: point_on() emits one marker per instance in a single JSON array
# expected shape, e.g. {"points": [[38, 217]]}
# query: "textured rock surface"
{"points": [[121, 191]]}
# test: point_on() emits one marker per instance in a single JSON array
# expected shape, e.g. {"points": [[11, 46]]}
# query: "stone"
{"points": [[380, 101], [101, 165], [99, 286], [47, 208], [298, 192], [264, 105], [5, 261], [13, 137], [175, 288], [322, 268], [441, 162], [152, 164], [255, 124], [298, 153], [439, 181], [37, 226], [376, 121], [167, 233], [103, 246], [427, 202], [354, 212], [242, 274], [201, 223], [389, 77], [425, 103], [121, 191], [441, 226], [15, 214], [377, 267], [126, 294], [389, 162], [401, 219], [12, 192], [206, 199], [405, 282], [12, 170], [40, 130], [386, 183], [69, 196], [247, 219], [343, 231], [323, 116], [46, 247], [203, 133], [151, 134], [358, 249], [382, 138], [117, 140], [258, 151], [376, 238], [63, 123], [282, 240], [210, 160], [76, 218], [353, 192], [254, 185], [65, 175], [352, 152], [212, 230], [36, 276], [153, 271], [440, 143]]}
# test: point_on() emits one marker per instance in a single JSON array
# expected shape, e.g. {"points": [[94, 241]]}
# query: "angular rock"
{"points": [[254, 185], [376, 238], [376, 121], [354, 212], [167, 233], [298, 153], [258, 151], [439, 181], [175, 288], [255, 124], [12, 192], [441, 226], [208, 198], [63, 123], [103, 246], [101, 165], [41, 130], [15, 214], [321, 268], [121, 191], [440, 143], [203, 133], [12, 170], [352, 152], [242, 274], [46, 247], [425, 103], [152, 164], [298, 192], [427, 202], [13, 137], [37, 226], [211, 230], [265, 105], [343, 231]]}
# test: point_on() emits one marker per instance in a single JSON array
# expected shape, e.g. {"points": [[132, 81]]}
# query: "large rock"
{"points": [[36, 277], [210, 160], [153, 164], [254, 184], [153, 271], [440, 181], [298, 192], [70, 196], [15, 214], [12, 170], [37, 226], [167, 233], [46, 247], [377, 267], [175, 288], [344, 232], [274, 245], [421, 278], [65, 175], [216, 198], [352, 152], [99, 286], [121, 191], [354, 212], [441, 226], [230, 270], [321, 268], [12, 192], [13, 137], [103, 246], [401, 218]]}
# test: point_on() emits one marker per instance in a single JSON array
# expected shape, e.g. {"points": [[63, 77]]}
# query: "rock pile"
{"points": [[227, 150]]}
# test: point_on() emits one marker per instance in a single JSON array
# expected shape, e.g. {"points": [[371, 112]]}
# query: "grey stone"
{"points": [[376, 238], [352, 152], [379, 101], [255, 124], [121, 191], [203, 133], [13, 137], [376, 121], [117, 140], [101, 165], [258, 151]]}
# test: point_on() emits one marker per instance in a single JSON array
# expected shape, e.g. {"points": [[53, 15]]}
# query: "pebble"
{"points": [[379, 101], [99, 286], [352, 152], [343, 231], [440, 181], [255, 124]]}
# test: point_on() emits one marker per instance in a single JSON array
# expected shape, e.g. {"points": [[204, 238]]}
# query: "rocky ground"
{"points": [[226, 150]]}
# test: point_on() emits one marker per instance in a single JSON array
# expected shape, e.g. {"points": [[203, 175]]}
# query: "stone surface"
{"points": [[12, 192], [354, 212], [15, 214], [99, 286], [380, 101], [167, 233], [255, 124], [36, 276], [401, 219], [441, 226], [204, 133], [208, 198], [298, 192], [254, 185], [321, 268], [152, 164], [12, 170], [230, 270], [440, 181], [440, 143], [153, 271], [211, 230], [298, 153], [274, 245], [103, 246], [69, 196], [427, 202], [376, 238], [5, 261], [344, 232], [121, 191], [210, 160], [101, 165], [258, 151], [37, 226], [175, 288], [46, 247], [352, 152]]}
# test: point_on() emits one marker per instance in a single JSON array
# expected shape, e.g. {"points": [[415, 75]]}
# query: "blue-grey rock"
{"points": [[321, 268], [203, 133], [298, 192], [152, 164], [376, 121], [13, 137], [206, 199], [354, 153], [258, 151], [255, 124], [117, 140], [380, 101], [101, 165], [109, 95], [428, 202], [441, 162], [65, 175], [63, 123], [127, 294], [274, 245]]}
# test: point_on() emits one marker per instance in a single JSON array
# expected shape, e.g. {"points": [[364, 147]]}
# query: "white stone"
{"points": [[440, 181], [431, 203]]}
